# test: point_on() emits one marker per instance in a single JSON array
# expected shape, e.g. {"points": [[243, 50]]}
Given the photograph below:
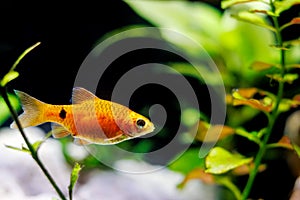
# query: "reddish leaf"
{"points": [[197, 174], [296, 98], [229, 99], [294, 102], [246, 92], [267, 12], [208, 133], [260, 66], [243, 96], [245, 169], [254, 103], [284, 142], [294, 21]]}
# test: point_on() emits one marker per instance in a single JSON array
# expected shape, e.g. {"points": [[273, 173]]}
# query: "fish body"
{"points": [[89, 119]]}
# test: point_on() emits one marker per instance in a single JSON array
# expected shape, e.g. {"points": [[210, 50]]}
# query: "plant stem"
{"points": [[232, 187], [33, 152], [272, 118], [23, 55]]}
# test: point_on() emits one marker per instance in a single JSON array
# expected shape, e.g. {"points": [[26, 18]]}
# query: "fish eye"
{"points": [[140, 123]]}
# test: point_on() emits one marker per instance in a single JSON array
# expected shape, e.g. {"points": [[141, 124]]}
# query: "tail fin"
{"points": [[33, 110]]}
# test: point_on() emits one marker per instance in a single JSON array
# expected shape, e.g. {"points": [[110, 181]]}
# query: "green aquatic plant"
{"points": [[271, 104], [31, 148], [247, 54]]}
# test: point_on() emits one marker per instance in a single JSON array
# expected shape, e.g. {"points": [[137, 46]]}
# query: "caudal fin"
{"points": [[33, 110]]}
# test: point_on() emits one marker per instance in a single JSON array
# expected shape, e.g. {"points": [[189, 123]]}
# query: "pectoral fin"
{"points": [[119, 138], [58, 131], [81, 142]]}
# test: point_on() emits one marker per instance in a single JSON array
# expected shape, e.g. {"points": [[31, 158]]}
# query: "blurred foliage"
{"points": [[5, 114], [230, 43], [244, 40]]}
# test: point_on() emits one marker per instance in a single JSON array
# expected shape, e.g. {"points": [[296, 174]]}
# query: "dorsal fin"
{"points": [[80, 95]]}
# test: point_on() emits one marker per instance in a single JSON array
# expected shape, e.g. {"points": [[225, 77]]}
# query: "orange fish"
{"points": [[89, 119]]}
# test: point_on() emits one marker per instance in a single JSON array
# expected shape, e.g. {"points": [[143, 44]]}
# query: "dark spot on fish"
{"points": [[62, 113]]}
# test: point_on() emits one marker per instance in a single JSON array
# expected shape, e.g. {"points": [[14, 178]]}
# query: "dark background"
{"points": [[67, 33]]}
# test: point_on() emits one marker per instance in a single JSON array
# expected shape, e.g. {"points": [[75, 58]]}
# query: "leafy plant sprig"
{"points": [[220, 164], [270, 103], [236, 47], [32, 149]]}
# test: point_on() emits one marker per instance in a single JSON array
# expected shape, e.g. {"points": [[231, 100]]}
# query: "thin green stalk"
{"points": [[23, 55], [272, 118], [231, 186], [33, 152]]}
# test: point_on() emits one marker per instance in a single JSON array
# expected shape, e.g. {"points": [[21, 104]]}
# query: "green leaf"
{"points": [[253, 19], [12, 74], [74, 178], [9, 77], [187, 18], [5, 114], [23, 149], [290, 43], [188, 70], [38, 143], [244, 43], [291, 66], [288, 78], [201, 73], [285, 105], [249, 136], [297, 149], [262, 66], [190, 117], [281, 6], [220, 161], [187, 162], [227, 3]]}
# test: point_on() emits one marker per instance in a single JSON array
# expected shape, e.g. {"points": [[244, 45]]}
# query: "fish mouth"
{"points": [[150, 130]]}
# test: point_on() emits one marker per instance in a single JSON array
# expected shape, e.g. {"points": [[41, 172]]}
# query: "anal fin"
{"points": [[58, 131]]}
